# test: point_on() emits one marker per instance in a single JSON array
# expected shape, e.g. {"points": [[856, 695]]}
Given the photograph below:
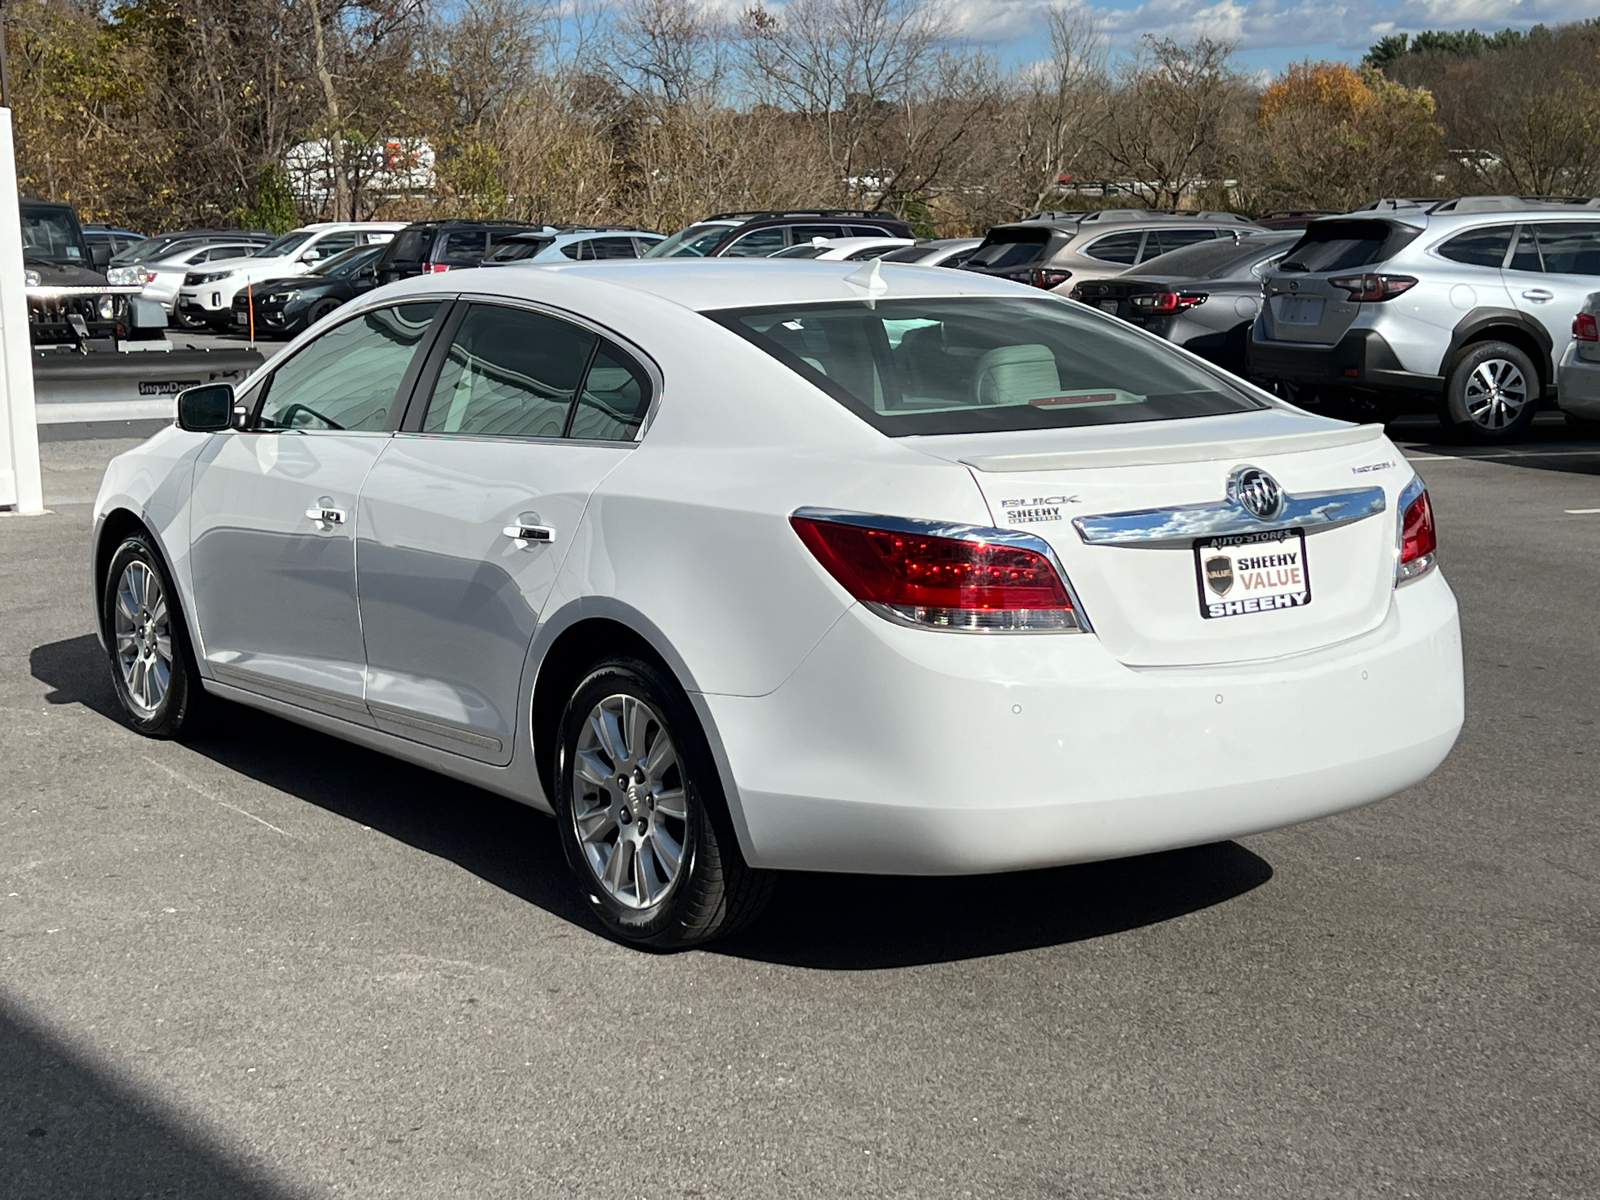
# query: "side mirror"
{"points": [[100, 256], [206, 409], [311, 256]]}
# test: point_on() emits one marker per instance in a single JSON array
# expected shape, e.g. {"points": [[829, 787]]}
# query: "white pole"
{"points": [[20, 486]]}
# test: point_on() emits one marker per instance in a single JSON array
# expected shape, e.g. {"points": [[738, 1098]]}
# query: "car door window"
{"points": [[1479, 247], [611, 247], [333, 243], [1164, 240], [1117, 248], [464, 247], [1569, 247], [757, 244], [509, 373], [1525, 257], [615, 394], [347, 378], [800, 235]]}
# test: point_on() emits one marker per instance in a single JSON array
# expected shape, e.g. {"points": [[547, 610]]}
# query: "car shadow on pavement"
{"points": [[835, 922], [1549, 445], [68, 1130]]}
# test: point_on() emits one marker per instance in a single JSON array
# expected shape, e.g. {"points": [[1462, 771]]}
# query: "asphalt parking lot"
{"points": [[270, 964]]}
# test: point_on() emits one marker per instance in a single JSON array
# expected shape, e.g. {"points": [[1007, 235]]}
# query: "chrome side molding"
{"points": [[1178, 527]]}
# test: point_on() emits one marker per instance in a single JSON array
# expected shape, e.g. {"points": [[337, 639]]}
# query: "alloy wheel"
{"points": [[142, 626], [1496, 393], [629, 806]]}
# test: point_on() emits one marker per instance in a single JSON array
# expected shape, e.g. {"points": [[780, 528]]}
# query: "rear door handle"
{"points": [[530, 533], [324, 515], [1538, 295]]}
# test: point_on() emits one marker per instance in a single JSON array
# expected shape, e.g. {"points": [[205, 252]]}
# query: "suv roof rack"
{"points": [[1484, 204], [1391, 203], [758, 214], [1112, 216]]}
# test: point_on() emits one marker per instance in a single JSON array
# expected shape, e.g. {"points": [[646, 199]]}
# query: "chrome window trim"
{"points": [[1178, 527], [952, 529]]}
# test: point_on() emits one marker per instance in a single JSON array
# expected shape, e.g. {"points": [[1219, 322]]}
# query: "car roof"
{"points": [[704, 285], [1105, 218]]}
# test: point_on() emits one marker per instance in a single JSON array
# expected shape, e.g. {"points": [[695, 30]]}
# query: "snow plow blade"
{"points": [[128, 385]]}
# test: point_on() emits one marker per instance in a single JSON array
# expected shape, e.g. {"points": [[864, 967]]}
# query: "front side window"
{"points": [[696, 241], [347, 378], [509, 373], [1569, 247], [1479, 247], [334, 243], [1117, 248], [976, 364]]}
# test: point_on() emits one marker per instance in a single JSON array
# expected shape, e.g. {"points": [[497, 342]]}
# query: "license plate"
{"points": [[1300, 310], [1109, 306], [240, 318], [1252, 572]]}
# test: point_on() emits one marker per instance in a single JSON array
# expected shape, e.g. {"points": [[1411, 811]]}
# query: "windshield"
{"points": [[147, 249], [349, 262], [52, 233], [697, 241], [287, 244], [975, 364], [800, 252]]}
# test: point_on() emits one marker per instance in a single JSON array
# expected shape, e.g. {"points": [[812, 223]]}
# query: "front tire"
{"points": [[641, 813], [152, 665], [1491, 393]]}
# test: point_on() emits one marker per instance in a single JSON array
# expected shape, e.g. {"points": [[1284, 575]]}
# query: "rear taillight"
{"points": [[1045, 277], [1585, 329], [1161, 304], [438, 268], [1419, 543], [1370, 288], [972, 582]]}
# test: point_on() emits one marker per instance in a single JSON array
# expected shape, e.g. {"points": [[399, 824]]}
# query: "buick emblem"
{"points": [[1257, 491]]}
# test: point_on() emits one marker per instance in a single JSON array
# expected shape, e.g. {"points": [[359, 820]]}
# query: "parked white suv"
{"points": [[1463, 304], [206, 297]]}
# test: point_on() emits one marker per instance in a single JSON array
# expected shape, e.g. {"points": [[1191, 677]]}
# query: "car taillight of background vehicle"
{"points": [[1370, 288], [1161, 304], [1585, 328], [438, 268], [1419, 541], [1046, 277], [942, 582]]}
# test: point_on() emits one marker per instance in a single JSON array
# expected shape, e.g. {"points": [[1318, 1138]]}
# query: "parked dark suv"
{"points": [[428, 247], [762, 234]]}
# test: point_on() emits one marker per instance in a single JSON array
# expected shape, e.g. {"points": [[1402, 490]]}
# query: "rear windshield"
{"points": [[1221, 259], [975, 364], [1340, 245], [1015, 247]]}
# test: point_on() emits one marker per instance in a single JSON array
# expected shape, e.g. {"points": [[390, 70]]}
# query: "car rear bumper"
{"points": [[1578, 385], [1360, 359], [901, 751]]}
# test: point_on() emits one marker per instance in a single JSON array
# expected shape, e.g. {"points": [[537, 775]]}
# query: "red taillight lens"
{"points": [[1370, 288], [1418, 540], [438, 268], [1044, 277], [1585, 329], [942, 582], [1161, 304]]}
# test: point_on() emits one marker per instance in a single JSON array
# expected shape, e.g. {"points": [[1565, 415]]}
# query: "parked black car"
{"points": [[762, 234], [107, 241], [1202, 297], [286, 306], [432, 246], [166, 245]]}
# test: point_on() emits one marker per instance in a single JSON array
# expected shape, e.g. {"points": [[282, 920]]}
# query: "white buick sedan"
{"points": [[740, 567]]}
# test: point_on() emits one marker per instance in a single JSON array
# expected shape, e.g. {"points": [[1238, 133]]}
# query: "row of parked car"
{"points": [[1463, 306]]}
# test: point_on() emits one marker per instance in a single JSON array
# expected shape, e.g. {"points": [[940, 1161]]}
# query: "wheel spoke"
{"points": [[667, 850], [594, 827], [637, 723], [641, 874], [164, 647], [619, 866], [127, 606], [609, 726], [662, 756], [589, 767], [672, 804]]}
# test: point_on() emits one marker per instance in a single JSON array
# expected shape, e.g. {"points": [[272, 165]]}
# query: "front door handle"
{"points": [[530, 533], [1538, 295], [324, 514]]}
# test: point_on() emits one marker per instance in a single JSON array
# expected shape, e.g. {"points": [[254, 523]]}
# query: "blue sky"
{"points": [[1269, 33]]}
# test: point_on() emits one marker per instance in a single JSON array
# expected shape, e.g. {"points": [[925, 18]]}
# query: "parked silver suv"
{"points": [[1463, 303], [1062, 249]]}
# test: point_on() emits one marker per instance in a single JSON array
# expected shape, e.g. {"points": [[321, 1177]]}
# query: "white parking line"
{"points": [[1580, 512]]}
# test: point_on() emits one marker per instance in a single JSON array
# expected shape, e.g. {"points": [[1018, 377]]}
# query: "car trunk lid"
{"points": [[1301, 305]]}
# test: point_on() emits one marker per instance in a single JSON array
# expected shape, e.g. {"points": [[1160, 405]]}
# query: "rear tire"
{"points": [[152, 664], [641, 813], [184, 321], [321, 309], [1491, 393]]}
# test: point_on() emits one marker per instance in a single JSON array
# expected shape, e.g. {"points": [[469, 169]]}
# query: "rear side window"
{"points": [[1163, 241], [758, 243], [871, 231], [799, 235], [1015, 247], [615, 394], [608, 247], [509, 373], [1569, 247], [411, 244], [511, 251], [347, 378], [974, 364], [1340, 245], [1116, 248], [1479, 247], [463, 247]]}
